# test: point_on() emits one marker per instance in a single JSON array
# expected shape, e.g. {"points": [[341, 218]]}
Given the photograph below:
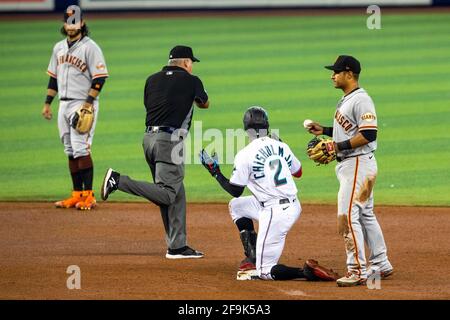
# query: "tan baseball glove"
{"points": [[84, 118], [321, 150]]}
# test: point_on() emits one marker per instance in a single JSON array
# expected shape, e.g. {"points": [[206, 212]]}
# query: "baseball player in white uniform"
{"points": [[267, 167], [354, 134], [77, 71]]}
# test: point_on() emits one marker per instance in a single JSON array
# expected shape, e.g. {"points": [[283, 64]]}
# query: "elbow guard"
{"points": [[53, 84], [369, 135], [97, 83]]}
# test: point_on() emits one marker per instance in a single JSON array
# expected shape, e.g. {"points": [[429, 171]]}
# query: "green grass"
{"points": [[276, 62]]}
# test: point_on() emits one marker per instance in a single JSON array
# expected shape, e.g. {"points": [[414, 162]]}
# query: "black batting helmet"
{"points": [[256, 118]]}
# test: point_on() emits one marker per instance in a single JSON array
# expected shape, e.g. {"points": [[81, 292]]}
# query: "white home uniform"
{"points": [[266, 166], [356, 172], [75, 68]]}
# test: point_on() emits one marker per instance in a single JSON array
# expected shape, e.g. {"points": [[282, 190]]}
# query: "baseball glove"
{"points": [[84, 118], [321, 150], [315, 272]]}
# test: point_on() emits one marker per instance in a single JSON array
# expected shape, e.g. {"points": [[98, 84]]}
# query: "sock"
{"points": [[86, 167], [87, 176], [245, 224], [282, 272], [77, 179]]}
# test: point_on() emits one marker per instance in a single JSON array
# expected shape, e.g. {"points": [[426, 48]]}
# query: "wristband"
{"points": [[49, 99], [344, 145], [90, 99], [328, 131]]}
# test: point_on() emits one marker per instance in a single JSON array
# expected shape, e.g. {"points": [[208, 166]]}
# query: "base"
{"points": [[247, 275]]}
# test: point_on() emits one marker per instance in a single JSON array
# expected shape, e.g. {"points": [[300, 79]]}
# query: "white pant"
{"points": [[75, 144], [274, 223], [356, 220]]}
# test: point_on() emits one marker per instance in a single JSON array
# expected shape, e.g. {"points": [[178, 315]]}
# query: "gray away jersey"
{"points": [[354, 113], [75, 68]]}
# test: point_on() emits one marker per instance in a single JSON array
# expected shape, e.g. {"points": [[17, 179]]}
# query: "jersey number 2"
{"points": [[276, 164]]}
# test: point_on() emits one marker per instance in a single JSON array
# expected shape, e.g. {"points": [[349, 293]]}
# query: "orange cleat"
{"points": [[88, 201], [70, 202]]}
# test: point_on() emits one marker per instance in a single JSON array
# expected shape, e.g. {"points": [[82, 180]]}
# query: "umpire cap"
{"points": [[182, 52], [256, 118], [346, 63]]}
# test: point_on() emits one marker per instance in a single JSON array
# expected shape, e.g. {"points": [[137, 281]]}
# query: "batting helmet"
{"points": [[256, 118]]}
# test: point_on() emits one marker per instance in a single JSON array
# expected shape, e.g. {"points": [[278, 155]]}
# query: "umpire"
{"points": [[168, 97]]}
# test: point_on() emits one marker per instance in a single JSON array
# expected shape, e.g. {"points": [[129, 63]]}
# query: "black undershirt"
{"points": [[232, 189]]}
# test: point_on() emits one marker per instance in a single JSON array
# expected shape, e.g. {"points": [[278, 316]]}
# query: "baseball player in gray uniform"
{"points": [[77, 71], [354, 134]]}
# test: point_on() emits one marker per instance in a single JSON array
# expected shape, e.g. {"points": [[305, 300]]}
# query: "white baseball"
{"points": [[307, 123]]}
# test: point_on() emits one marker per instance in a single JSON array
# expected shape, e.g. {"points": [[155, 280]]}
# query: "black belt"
{"points": [[66, 99], [156, 129], [340, 159], [282, 201]]}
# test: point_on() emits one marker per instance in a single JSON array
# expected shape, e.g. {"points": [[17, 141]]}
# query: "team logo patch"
{"points": [[369, 117], [100, 66]]}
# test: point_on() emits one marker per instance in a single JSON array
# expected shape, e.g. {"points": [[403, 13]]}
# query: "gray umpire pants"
{"points": [[167, 191]]}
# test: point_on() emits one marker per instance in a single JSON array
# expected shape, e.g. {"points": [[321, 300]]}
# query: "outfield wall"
{"points": [[59, 5], [223, 4]]}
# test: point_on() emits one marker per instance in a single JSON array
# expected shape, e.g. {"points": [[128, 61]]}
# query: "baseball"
{"points": [[307, 123]]}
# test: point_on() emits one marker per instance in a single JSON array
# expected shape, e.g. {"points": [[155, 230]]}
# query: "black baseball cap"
{"points": [[70, 11], [180, 52], [346, 63]]}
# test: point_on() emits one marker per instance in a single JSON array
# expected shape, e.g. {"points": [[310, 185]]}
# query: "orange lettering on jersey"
{"points": [[74, 61], [343, 121]]}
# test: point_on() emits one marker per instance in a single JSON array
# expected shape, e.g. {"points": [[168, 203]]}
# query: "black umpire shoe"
{"points": [[183, 253], [110, 183]]}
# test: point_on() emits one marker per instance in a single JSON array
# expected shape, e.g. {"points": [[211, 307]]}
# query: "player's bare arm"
{"points": [[52, 91], [314, 128], [94, 91], [361, 139]]}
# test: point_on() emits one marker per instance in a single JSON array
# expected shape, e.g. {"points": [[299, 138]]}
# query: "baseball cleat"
{"points": [[110, 183], [319, 271], [383, 274], [247, 264], [183, 253], [88, 201], [70, 202], [351, 280]]}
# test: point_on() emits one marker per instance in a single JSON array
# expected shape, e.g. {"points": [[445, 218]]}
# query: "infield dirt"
{"points": [[120, 250]]}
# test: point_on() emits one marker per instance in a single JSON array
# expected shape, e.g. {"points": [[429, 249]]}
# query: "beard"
{"points": [[73, 33]]}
